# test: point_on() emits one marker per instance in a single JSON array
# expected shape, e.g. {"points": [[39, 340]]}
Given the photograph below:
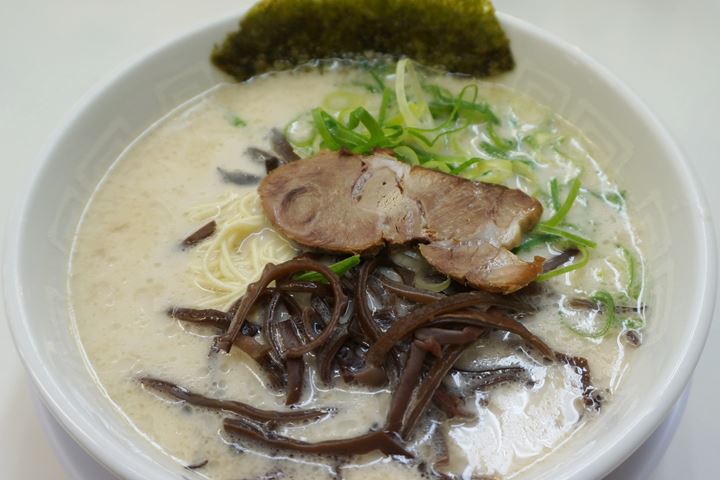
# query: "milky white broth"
{"points": [[127, 269]]}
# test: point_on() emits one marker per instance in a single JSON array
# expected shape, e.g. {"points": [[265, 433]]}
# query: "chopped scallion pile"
{"points": [[424, 123]]}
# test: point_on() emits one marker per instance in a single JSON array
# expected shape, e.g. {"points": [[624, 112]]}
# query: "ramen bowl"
{"points": [[668, 210]]}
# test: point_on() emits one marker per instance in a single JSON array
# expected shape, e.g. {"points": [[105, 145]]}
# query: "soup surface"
{"points": [[128, 269]]}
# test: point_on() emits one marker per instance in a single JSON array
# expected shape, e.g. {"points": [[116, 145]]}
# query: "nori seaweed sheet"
{"points": [[461, 36]]}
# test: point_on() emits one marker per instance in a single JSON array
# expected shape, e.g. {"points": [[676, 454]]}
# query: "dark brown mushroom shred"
{"points": [[450, 404], [282, 147], [283, 335], [200, 234], [258, 155], [272, 273], [589, 304], [429, 385], [231, 406], [419, 317], [488, 377], [591, 396], [558, 260], [498, 320], [238, 177], [386, 442], [633, 337], [207, 316], [210, 317], [403, 392], [372, 327], [196, 466]]}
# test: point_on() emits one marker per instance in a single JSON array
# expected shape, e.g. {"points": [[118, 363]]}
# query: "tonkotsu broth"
{"points": [[127, 269]]}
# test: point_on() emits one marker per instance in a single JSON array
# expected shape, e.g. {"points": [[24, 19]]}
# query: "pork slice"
{"points": [[472, 226], [352, 203], [482, 265], [462, 210], [342, 203]]}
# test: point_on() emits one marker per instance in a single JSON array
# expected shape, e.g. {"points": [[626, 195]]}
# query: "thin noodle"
{"points": [[226, 263]]}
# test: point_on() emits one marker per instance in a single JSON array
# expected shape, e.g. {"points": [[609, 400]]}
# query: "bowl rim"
{"points": [[95, 440]]}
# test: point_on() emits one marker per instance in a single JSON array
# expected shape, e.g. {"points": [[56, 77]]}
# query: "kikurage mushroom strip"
{"points": [[367, 324], [272, 273], [231, 406], [283, 335], [509, 302], [221, 321], [404, 326], [386, 442], [433, 335], [450, 404], [432, 381], [206, 316], [427, 341], [406, 385], [330, 350], [488, 377], [591, 397], [496, 319], [200, 234]]}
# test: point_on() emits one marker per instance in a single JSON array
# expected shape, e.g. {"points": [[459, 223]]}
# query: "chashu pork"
{"points": [[352, 203]]}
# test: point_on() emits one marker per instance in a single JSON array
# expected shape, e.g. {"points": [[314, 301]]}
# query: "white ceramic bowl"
{"points": [[665, 200]]}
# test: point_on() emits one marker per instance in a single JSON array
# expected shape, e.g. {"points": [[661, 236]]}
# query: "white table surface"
{"points": [[53, 51]]}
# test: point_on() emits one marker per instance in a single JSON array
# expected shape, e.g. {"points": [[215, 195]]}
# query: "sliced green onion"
{"points": [[407, 154], [501, 143], [409, 259], [424, 283], [634, 283], [341, 100], [417, 133], [493, 151], [378, 80], [466, 164], [561, 233], [406, 82], [532, 240], [537, 139], [384, 103], [360, 115], [438, 165], [393, 133], [321, 127], [438, 93], [606, 300], [235, 120], [301, 131], [489, 171], [445, 129], [524, 169], [469, 110], [578, 264], [555, 194], [340, 268], [615, 199], [634, 323], [562, 212], [335, 135]]}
